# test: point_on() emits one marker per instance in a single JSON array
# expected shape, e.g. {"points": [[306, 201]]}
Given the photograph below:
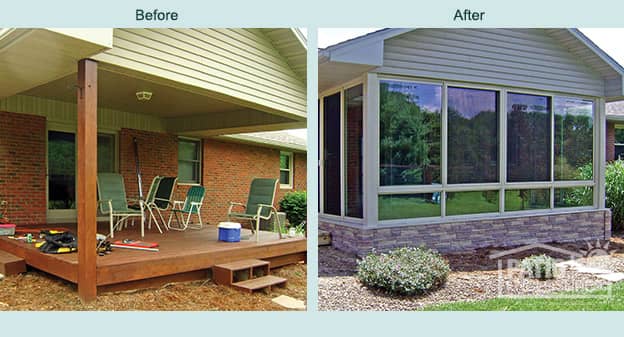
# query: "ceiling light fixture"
{"points": [[144, 95]]}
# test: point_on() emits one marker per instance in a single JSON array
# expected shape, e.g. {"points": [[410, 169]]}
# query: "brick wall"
{"points": [[229, 169], [22, 167], [468, 235], [158, 155], [610, 141]]}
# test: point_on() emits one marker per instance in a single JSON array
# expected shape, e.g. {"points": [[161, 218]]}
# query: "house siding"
{"points": [[235, 63], [524, 58], [23, 167], [469, 235]]}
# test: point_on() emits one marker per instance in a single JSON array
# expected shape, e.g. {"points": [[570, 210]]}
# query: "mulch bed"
{"points": [[39, 291], [474, 277]]}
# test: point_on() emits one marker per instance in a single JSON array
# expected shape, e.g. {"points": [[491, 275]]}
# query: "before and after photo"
{"points": [[455, 168]]}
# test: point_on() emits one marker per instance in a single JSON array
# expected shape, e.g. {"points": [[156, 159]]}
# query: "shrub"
{"points": [[294, 204], [540, 267], [614, 178], [404, 271]]}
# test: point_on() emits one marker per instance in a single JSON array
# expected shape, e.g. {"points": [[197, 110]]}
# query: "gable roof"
{"points": [[353, 57]]}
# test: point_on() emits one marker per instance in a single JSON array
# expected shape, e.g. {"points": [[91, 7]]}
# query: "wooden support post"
{"points": [[87, 172]]}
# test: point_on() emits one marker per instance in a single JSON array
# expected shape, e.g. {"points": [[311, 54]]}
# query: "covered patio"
{"points": [[85, 84]]}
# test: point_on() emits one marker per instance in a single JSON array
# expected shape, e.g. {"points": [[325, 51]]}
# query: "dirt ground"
{"points": [[36, 290]]}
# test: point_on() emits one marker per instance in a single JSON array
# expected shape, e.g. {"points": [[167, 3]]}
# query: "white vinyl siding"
{"points": [[524, 58], [233, 63]]}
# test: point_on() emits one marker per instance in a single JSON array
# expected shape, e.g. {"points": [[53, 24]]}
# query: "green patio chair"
{"points": [[113, 202], [259, 205], [191, 205], [162, 199]]}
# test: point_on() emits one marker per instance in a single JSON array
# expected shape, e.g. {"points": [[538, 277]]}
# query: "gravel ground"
{"points": [[474, 277]]}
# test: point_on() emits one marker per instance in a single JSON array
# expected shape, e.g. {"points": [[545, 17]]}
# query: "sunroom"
{"points": [[464, 138]]}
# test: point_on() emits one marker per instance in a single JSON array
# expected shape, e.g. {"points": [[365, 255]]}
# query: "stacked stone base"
{"points": [[461, 236]]}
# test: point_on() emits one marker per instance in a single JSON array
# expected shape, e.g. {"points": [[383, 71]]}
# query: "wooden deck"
{"points": [[183, 256]]}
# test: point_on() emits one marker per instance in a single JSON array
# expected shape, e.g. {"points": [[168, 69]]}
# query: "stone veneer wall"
{"points": [[468, 235]]}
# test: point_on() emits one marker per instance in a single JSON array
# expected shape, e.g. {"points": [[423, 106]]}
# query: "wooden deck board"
{"points": [[179, 252]]}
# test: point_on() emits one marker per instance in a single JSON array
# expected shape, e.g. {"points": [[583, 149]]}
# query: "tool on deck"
{"points": [[138, 167]]}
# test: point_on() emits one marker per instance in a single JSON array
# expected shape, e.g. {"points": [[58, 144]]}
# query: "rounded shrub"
{"points": [[404, 271], [294, 204], [540, 267]]}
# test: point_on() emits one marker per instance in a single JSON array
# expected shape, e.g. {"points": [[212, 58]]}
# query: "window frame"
{"points": [[502, 185], [199, 161], [290, 170]]}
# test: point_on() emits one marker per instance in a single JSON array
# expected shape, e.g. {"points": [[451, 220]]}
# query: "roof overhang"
{"points": [[31, 57]]}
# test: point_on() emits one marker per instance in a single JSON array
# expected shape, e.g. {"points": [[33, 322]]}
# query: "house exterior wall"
{"points": [[227, 168], [23, 167], [239, 64], [526, 58], [610, 141], [468, 235]]}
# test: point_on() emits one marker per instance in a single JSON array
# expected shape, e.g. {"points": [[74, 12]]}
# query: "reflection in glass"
{"points": [[472, 136], [528, 138], [573, 138], [331, 154], [574, 197], [458, 203], [61, 170], [106, 153], [519, 200], [407, 206], [353, 151], [409, 131]]}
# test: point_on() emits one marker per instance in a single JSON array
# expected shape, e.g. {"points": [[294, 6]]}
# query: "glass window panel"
{"points": [[353, 102], [407, 206], [284, 161], [187, 172], [574, 138], [458, 203], [409, 132], [528, 138], [331, 154], [285, 177], [61, 170], [188, 150], [619, 152], [472, 136], [574, 197], [106, 153], [619, 136], [519, 200]]}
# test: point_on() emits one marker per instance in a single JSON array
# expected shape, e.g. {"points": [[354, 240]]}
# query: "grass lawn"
{"points": [[614, 302]]}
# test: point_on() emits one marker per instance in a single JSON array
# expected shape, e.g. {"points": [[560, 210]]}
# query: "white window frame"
{"points": [[199, 161], [290, 170]]}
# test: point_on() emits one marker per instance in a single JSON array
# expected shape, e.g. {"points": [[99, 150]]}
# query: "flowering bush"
{"points": [[404, 271], [540, 267]]}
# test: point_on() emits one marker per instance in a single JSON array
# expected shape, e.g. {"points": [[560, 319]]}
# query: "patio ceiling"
{"points": [[31, 57], [185, 110]]}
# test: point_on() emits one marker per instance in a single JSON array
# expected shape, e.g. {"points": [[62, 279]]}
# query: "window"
{"points": [[542, 158], [573, 138], [409, 131], [331, 154], [106, 153], [472, 136], [353, 104], [286, 169], [189, 161], [528, 138], [619, 142]]}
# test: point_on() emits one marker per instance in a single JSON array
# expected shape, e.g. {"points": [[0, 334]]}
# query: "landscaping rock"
{"points": [[613, 277]]}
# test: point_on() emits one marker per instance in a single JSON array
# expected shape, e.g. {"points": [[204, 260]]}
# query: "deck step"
{"points": [[11, 264], [264, 282], [241, 270], [243, 264]]}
